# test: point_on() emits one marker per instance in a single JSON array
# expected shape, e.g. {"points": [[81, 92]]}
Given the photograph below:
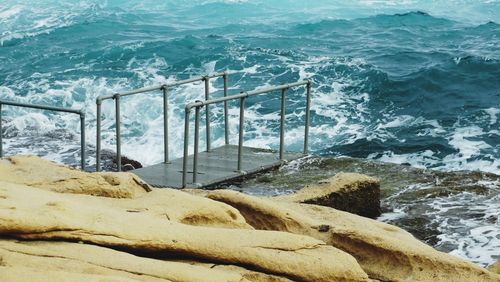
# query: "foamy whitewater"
{"points": [[409, 82]]}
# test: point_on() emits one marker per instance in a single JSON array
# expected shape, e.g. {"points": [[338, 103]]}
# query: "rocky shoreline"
{"points": [[60, 224]]}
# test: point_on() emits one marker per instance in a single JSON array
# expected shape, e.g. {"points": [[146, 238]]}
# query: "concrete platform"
{"points": [[218, 165]]}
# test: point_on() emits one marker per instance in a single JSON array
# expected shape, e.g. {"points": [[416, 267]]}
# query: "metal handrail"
{"points": [[242, 96], [164, 88], [81, 113]]}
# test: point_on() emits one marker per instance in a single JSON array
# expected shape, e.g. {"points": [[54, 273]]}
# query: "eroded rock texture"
{"points": [[385, 252], [59, 224]]}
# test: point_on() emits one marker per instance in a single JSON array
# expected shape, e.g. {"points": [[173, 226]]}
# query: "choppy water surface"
{"points": [[408, 82]]}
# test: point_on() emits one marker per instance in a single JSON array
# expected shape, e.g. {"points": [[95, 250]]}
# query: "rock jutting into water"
{"points": [[455, 212], [351, 192], [223, 236]]}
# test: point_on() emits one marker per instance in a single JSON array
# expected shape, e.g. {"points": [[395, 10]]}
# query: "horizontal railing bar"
{"points": [[163, 87], [242, 96], [81, 113], [279, 87], [104, 97], [42, 107], [159, 87], [218, 74], [194, 79], [246, 94], [140, 90]]}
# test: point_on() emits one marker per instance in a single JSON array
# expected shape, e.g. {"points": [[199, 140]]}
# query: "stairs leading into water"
{"points": [[211, 166]]}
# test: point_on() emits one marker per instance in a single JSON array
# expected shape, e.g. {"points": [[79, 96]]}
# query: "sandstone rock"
{"points": [[351, 192], [95, 260], [167, 204], [251, 275], [31, 213], [37, 172], [174, 205], [247, 274], [495, 267], [385, 252], [26, 274]]}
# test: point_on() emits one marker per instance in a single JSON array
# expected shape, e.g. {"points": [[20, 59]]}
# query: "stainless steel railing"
{"points": [[242, 96], [164, 88], [81, 113]]}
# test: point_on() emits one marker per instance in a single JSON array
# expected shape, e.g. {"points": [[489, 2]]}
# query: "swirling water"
{"points": [[410, 82]]}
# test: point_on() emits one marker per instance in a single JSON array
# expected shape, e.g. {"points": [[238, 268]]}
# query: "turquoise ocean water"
{"points": [[411, 82]]}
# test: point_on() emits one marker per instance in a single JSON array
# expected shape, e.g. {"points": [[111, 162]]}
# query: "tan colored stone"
{"points": [[495, 267], [251, 275], [95, 260], [351, 192], [196, 191], [247, 274], [174, 205], [41, 173], [32, 213], [384, 251], [26, 274], [164, 203]]}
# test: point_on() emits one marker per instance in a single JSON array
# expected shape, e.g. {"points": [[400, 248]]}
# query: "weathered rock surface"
{"points": [[351, 192], [37, 172], [90, 259], [31, 213], [495, 267], [385, 252], [174, 205], [26, 274], [166, 204], [189, 237]]}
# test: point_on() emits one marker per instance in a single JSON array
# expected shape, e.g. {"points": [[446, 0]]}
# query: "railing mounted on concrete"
{"points": [[81, 113], [242, 96], [224, 154], [164, 88]]}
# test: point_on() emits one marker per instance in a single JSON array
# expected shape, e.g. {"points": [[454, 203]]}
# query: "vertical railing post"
{"points": [[118, 137], [196, 142], [282, 124], [226, 118], [82, 139], [1, 129], [165, 123], [186, 146], [98, 136], [308, 117], [240, 137], [207, 112]]}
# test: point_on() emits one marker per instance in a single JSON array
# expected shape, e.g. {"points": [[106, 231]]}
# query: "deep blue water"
{"points": [[401, 81]]}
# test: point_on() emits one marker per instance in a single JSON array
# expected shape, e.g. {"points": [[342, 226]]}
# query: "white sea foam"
{"points": [[142, 129], [9, 12], [467, 222], [261, 129], [397, 213], [480, 242], [493, 112], [22, 19], [423, 159], [472, 152]]}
